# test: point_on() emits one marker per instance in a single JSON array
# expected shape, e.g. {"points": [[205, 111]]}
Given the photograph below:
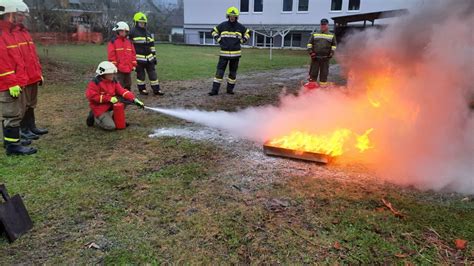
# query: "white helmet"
{"points": [[121, 26], [13, 6], [106, 67]]}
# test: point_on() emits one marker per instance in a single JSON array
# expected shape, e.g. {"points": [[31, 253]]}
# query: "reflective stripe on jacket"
{"points": [[15, 58], [30, 56], [7, 69], [322, 43], [230, 36], [144, 44], [121, 52]]}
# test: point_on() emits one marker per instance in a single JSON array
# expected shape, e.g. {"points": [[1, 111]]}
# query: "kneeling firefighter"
{"points": [[104, 93]]}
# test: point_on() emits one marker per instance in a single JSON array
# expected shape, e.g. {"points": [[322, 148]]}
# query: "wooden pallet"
{"points": [[294, 154]]}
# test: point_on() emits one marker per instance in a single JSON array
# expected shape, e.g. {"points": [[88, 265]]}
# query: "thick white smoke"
{"points": [[410, 82]]}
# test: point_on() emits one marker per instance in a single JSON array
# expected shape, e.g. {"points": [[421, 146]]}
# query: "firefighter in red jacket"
{"points": [[35, 78], [121, 52], [104, 91], [13, 78]]}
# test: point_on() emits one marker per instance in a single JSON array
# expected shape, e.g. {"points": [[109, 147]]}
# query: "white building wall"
{"points": [[213, 11], [202, 15]]}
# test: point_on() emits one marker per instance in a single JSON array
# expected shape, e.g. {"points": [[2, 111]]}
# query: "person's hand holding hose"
{"points": [[139, 103], [113, 99]]}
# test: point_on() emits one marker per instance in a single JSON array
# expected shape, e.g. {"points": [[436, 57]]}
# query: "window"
{"points": [[287, 5], [287, 41], [336, 5], [354, 4], [206, 37], [263, 41], [244, 5], [260, 40], [292, 40], [296, 42], [303, 5], [258, 6]]}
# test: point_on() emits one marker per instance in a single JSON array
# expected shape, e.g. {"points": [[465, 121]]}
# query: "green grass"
{"points": [[178, 62], [159, 200]]}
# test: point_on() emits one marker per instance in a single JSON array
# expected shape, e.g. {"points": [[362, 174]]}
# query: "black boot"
{"points": [[215, 89], [12, 143], [30, 113], [17, 149], [23, 142], [157, 90], [90, 119], [142, 89], [230, 88], [25, 131]]}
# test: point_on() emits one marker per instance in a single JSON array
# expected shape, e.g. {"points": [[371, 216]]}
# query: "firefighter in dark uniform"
{"points": [[146, 55], [229, 34], [321, 47]]}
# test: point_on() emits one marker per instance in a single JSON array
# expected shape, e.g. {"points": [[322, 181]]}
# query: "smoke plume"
{"points": [[411, 82]]}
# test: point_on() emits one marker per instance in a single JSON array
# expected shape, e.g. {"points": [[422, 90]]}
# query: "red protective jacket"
{"points": [[7, 70], [30, 56], [122, 53], [15, 58], [100, 91]]}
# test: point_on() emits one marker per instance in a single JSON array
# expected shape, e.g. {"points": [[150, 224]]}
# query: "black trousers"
{"points": [[233, 63], [319, 67], [149, 68]]}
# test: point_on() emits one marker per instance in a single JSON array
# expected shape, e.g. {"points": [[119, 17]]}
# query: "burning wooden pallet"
{"points": [[271, 150]]}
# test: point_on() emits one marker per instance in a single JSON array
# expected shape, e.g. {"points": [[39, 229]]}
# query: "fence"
{"points": [[49, 38]]}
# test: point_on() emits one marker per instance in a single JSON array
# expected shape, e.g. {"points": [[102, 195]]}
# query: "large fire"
{"points": [[332, 144], [379, 93]]}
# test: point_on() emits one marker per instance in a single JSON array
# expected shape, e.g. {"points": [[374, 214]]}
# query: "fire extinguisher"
{"points": [[310, 85], [119, 116]]}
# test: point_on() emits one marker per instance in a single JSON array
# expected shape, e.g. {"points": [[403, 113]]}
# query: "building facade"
{"points": [[277, 23]]}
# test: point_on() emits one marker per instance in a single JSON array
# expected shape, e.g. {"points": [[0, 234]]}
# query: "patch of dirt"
{"points": [[248, 169], [262, 87], [246, 166]]}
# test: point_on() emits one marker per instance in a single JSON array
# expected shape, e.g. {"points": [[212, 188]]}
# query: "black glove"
{"points": [[244, 40]]}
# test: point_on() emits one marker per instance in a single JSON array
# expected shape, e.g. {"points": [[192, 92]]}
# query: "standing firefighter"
{"points": [[103, 92], [229, 34], [321, 47], [122, 54], [35, 78], [146, 55], [13, 77]]}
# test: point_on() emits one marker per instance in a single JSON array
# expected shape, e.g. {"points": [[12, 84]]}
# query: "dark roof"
{"points": [[343, 20]]}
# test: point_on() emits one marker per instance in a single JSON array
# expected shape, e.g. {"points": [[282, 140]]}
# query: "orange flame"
{"points": [[333, 144]]}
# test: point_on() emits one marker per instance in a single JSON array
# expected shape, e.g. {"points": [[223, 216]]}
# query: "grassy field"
{"points": [[177, 62], [145, 200]]}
